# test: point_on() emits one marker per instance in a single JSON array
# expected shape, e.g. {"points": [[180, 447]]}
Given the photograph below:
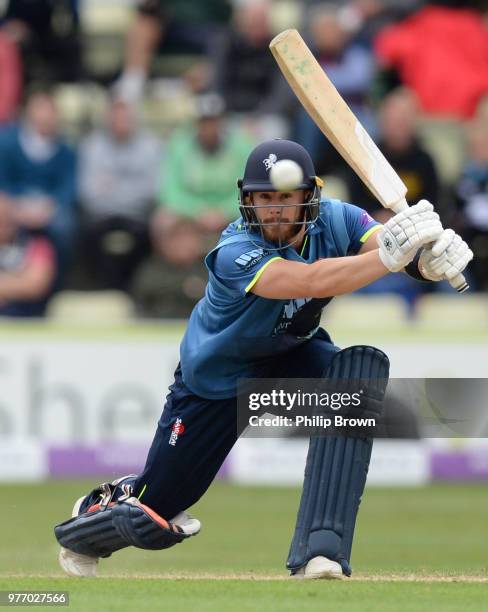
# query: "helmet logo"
{"points": [[270, 161]]}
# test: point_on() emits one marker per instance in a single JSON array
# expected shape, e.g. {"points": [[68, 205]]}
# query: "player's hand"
{"points": [[447, 257], [401, 237]]}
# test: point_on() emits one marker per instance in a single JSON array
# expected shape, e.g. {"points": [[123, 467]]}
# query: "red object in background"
{"points": [[442, 54], [10, 78]]}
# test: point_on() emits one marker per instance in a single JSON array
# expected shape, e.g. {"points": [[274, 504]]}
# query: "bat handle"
{"points": [[458, 283]]}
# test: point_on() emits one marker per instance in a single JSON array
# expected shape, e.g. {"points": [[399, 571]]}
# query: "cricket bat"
{"points": [[335, 119]]}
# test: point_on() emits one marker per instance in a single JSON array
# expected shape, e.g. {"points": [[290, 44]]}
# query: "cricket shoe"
{"points": [[320, 568], [83, 566], [188, 523], [74, 564]]}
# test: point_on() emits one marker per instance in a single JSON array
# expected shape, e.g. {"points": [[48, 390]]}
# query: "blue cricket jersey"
{"points": [[232, 331]]}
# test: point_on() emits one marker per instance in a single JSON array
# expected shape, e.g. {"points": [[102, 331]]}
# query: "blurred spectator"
{"points": [[27, 267], [415, 167], [47, 32], [173, 26], [472, 200], [398, 142], [201, 168], [368, 17], [10, 77], [37, 170], [171, 282], [442, 54], [246, 74], [349, 66], [118, 169]]}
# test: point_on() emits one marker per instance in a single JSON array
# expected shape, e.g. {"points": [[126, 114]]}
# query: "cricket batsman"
{"points": [[271, 274]]}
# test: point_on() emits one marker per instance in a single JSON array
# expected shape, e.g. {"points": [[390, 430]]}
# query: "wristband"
{"points": [[412, 269]]}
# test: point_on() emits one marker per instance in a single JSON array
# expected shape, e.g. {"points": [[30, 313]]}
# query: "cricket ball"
{"points": [[286, 175]]}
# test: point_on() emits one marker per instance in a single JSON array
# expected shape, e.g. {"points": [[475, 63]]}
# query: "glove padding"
{"points": [[401, 237], [446, 259]]}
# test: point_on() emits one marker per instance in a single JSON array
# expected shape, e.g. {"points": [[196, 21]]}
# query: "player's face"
{"points": [[278, 212]]}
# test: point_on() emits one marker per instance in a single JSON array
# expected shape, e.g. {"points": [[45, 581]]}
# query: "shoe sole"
{"points": [[64, 551], [320, 568], [66, 564]]}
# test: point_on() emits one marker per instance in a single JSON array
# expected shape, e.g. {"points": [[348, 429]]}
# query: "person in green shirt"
{"points": [[201, 166]]}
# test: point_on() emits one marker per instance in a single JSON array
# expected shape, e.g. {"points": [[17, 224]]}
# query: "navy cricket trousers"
{"points": [[195, 435]]}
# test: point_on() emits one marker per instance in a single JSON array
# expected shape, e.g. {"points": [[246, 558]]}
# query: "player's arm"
{"points": [[371, 242], [143, 37], [283, 279], [398, 242], [327, 277]]}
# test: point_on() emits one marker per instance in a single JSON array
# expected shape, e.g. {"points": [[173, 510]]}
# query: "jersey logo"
{"points": [[251, 258], [270, 161], [176, 430], [365, 219], [288, 313]]}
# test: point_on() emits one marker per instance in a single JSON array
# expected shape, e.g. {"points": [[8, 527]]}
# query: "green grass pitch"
{"points": [[415, 549]]}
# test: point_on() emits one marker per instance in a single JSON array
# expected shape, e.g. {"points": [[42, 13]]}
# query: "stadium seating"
{"points": [[91, 307], [104, 27], [365, 311], [81, 106], [453, 311], [444, 140]]}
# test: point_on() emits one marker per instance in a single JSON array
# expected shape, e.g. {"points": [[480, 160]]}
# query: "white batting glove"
{"points": [[447, 257], [401, 237]]}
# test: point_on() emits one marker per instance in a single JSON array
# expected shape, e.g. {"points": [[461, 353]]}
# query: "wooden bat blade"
{"points": [[335, 119]]}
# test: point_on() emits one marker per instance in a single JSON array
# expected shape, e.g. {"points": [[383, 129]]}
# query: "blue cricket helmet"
{"points": [[263, 158], [256, 178]]}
